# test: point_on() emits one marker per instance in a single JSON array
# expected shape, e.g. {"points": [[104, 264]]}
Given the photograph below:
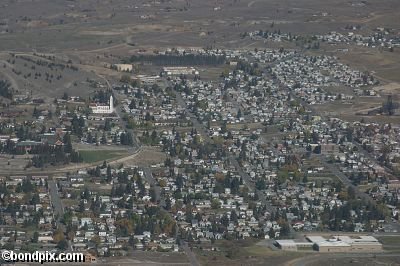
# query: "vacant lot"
{"points": [[91, 156], [17, 162], [346, 259], [244, 252], [147, 156], [391, 243], [148, 258]]}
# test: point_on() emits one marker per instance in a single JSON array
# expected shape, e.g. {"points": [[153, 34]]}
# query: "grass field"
{"points": [[244, 252], [390, 240], [391, 244], [91, 156]]}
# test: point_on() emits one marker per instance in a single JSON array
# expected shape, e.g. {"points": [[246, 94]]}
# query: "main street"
{"points": [[161, 202], [196, 124], [154, 184], [55, 200], [57, 207]]}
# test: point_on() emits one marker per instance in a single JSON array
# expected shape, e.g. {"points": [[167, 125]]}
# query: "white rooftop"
{"points": [[287, 242], [333, 243], [316, 239]]}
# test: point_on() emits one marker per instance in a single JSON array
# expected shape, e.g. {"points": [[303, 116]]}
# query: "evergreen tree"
{"points": [[67, 143]]}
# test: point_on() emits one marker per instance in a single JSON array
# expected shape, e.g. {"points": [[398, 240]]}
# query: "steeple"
{"points": [[111, 104]]}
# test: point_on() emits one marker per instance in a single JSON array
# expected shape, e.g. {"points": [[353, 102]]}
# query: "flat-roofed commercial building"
{"points": [[291, 245], [288, 245], [333, 245], [346, 244], [362, 243]]}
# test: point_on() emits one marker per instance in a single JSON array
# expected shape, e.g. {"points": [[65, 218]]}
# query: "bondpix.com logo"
{"points": [[41, 257]]}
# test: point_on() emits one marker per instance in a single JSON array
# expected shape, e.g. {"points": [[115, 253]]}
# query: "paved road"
{"points": [[132, 154], [361, 149], [55, 199], [332, 167], [161, 202], [201, 129], [347, 182], [118, 112], [314, 112], [343, 178], [250, 185], [232, 158], [189, 253], [57, 207], [153, 183]]}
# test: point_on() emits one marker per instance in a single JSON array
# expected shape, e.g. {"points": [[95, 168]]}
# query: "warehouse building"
{"points": [[346, 244], [291, 245], [287, 245]]}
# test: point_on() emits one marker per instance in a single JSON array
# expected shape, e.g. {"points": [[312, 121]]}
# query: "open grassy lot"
{"points": [[390, 240], [391, 243], [91, 156], [244, 252], [147, 156]]}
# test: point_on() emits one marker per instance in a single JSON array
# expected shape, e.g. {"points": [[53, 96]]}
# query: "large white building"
{"points": [[333, 244], [103, 108]]}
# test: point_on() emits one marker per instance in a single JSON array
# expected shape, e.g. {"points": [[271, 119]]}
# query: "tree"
{"points": [[67, 143], [351, 192], [153, 194], [271, 233], [234, 216], [65, 96], [215, 204], [389, 106], [153, 136], [109, 176], [63, 244], [285, 229], [168, 204], [125, 79], [35, 237], [260, 184], [97, 171], [132, 104], [96, 240], [81, 206], [107, 125], [58, 236], [35, 113], [239, 114], [5, 89], [103, 138]]}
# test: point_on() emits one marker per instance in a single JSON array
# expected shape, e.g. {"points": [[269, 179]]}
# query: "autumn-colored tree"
{"points": [[96, 240], [58, 236], [163, 183], [71, 235], [125, 224]]}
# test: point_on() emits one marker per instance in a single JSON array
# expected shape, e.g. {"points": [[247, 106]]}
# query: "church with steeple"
{"points": [[103, 108]]}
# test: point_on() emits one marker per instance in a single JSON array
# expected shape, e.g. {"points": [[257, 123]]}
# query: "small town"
{"points": [[246, 155], [231, 132]]}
